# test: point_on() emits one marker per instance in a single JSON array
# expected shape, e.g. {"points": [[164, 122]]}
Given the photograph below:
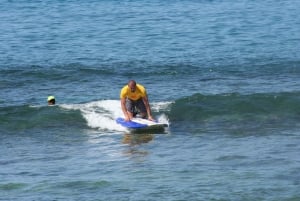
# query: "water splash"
{"points": [[102, 114]]}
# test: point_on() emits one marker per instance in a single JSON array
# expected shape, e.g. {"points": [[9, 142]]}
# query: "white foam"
{"points": [[102, 114], [156, 107], [163, 119]]}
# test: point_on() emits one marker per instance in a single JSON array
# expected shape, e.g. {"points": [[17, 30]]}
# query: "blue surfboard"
{"points": [[130, 124], [139, 123]]}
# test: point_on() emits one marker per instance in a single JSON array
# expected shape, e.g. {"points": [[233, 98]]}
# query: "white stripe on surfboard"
{"points": [[145, 121]]}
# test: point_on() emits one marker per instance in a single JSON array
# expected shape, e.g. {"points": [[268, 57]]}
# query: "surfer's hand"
{"points": [[151, 118]]}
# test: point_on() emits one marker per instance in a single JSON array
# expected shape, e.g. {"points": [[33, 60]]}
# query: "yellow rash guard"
{"points": [[140, 92]]}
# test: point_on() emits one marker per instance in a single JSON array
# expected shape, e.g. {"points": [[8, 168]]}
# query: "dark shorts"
{"points": [[135, 107]]}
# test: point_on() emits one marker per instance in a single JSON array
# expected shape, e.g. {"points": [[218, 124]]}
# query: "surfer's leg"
{"points": [[135, 111], [130, 108], [141, 107]]}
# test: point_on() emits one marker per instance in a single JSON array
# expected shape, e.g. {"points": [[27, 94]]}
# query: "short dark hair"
{"points": [[52, 101]]}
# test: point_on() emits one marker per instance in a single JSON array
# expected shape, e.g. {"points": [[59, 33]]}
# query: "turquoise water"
{"points": [[223, 74]]}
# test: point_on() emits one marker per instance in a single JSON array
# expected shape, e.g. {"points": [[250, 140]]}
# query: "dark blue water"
{"points": [[224, 75]]}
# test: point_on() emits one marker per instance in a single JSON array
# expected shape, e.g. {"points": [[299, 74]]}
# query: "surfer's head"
{"points": [[132, 85], [51, 100]]}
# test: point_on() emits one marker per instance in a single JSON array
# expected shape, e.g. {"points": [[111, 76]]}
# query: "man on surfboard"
{"points": [[134, 96]]}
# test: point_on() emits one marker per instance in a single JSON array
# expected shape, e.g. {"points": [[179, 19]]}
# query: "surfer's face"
{"points": [[132, 87]]}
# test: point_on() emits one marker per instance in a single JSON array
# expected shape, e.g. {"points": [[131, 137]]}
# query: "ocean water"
{"points": [[224, 74]]}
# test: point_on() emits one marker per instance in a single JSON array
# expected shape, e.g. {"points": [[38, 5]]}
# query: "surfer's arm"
{"points": [[147, 105], [123, 106]]}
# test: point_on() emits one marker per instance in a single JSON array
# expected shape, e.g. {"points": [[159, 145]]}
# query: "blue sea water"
{"points": [[224, 74]]}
